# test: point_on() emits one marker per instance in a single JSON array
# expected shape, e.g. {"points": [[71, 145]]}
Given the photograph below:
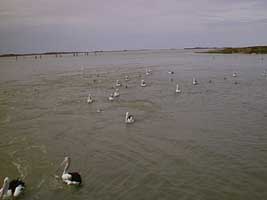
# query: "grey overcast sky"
{"points": [[66, 25]]}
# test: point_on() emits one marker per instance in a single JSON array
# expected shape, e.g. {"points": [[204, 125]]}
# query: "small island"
{"points": [[241, 50]]}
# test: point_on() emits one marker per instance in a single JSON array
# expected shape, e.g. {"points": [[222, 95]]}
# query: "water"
{"points": [[210, 142]]}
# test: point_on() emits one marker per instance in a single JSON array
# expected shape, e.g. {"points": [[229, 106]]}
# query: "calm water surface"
{"points": [[210, 142]]}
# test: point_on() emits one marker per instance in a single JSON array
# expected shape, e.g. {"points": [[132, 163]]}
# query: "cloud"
{"points": [[32, 25]]}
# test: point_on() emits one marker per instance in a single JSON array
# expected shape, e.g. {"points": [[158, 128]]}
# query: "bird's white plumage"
{"points": [[129, 119], [19, 189], [143, 83], [195, 81], [67, 177], [90, 99], [178, 90], [116, 93], [16, 185], [118, 83]]}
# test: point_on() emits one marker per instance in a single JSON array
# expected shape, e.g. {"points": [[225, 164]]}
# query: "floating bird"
{"points": [[171, 72], [99, 110], [111, 97], [148, 71], [178, 90], [116, 93], [118, 83], [12, 188], [90, 99], [234, 74], [195, 81], [129, 119], [70, 178], [126, 78], [143, 83]]}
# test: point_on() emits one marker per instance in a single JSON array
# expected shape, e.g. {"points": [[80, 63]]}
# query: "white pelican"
{"points": [[118, 83], [129, 119], [126, 78], [195, 81], [143, 83], [116, 93], [99, 110], [70, 178], [12, 188], [234, 74], [148, 71], [178, 90], [90, 99], [111, 97]]}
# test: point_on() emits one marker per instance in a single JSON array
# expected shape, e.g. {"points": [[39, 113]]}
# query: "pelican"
{"points": [[118, 83], [178, 90], [148, 71], [12, 188], [129, 119], [126, 78], [90, 99], [234, 74], [143, 83], [70, 178], [195, 81], [111, 97], [116, 93], [99, 110]]}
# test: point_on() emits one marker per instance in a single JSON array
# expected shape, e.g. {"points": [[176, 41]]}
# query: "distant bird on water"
{"points": [[178, 90], [126, 78], [143, 83], [234, 74], [111, 97], [70, 178], [116, 93], [129, 119], [118, 83], [148, 71], [195, 81], [12, 188], [90, 99]]}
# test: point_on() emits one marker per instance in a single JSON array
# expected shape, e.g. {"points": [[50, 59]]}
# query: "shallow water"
{"points": [[209, 142]]}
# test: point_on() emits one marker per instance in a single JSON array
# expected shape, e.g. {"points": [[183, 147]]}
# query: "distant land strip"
{"points": [[74, 53], [48, 53], [241, 50]]}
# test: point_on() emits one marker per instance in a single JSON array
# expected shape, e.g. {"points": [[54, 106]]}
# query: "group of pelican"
{"points": [[130, 118], [15, 188]]}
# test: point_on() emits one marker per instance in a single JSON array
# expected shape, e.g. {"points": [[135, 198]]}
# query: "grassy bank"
{"points": [[244, 50]]}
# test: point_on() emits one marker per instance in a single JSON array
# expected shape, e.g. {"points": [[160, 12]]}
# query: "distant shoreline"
{"points": [[240, 50], [212, 50], [74, 53]]}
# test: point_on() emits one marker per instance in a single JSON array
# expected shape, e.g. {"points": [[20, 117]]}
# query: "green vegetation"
{"points": [[244, 50]]}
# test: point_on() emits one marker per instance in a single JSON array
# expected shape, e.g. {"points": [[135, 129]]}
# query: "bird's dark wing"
{"points": [[15, 183], [75, 176]]}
